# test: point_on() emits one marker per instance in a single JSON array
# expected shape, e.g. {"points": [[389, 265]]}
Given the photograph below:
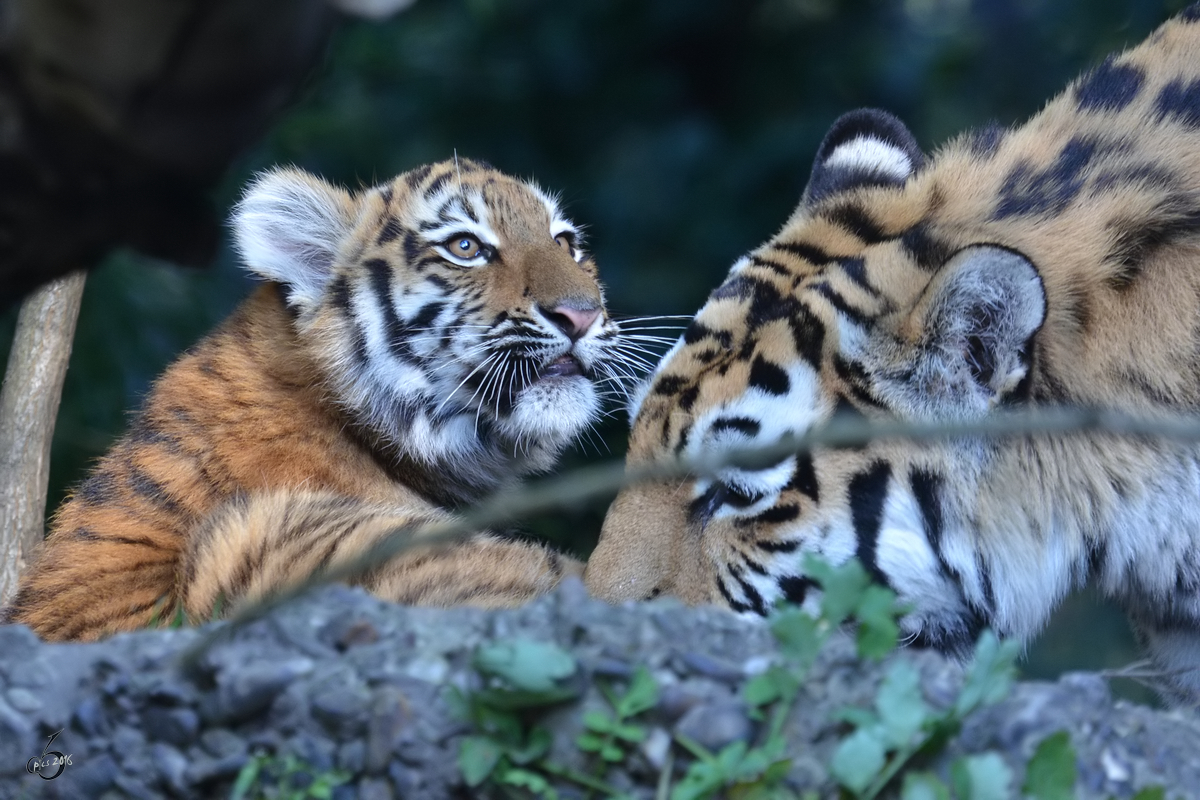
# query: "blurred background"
{"points": [[680, 132]]}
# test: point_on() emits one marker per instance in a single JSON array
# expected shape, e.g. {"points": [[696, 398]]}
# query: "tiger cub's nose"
{"points": [[572, 319]]}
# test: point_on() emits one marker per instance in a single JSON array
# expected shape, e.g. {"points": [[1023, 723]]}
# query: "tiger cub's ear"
{"points": [[289, 227], [867, 147]]}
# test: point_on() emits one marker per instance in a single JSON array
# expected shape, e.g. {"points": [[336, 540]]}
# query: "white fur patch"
{"points": [[868, 154], [288, 228]]}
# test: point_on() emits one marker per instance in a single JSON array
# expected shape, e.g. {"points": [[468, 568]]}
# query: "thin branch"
{"points": [[605, 480], [29, 401]]}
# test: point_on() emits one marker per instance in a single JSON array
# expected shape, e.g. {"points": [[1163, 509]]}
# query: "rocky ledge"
{"points": [[342, 683]]}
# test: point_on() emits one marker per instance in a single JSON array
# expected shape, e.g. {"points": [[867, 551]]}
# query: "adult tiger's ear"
{"points": [[867, 147], [288, 228], [980, 314]]}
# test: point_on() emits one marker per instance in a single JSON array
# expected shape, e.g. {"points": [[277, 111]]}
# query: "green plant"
{"points": [[271, 777], [884, 745]]}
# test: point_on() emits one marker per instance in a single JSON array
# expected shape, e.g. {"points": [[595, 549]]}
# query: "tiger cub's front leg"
{"points": [[255, 546]]}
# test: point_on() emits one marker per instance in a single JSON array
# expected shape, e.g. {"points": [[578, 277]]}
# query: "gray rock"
{"points": [[351, 756], [342, 709], [176, 726], [204, 769], [248, 691], [91, 718], [390, 710], [89, 777], [170, 766], [222, 743], [715, 725], [375, 789], [307, 682], [17, 741]]}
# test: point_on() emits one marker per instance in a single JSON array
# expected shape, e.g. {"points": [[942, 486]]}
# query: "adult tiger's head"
{"points": [[453, 312], [864, 304]]}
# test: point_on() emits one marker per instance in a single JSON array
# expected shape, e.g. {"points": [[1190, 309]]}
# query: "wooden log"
{"points": [[29, 401]]}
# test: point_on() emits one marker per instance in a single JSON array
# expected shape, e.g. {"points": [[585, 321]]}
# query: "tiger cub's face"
{"points": [[843, 312], [453, 310]]}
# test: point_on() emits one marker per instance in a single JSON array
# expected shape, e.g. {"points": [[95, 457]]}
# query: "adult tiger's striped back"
{"points": [[418, 345], [1056, 263]]}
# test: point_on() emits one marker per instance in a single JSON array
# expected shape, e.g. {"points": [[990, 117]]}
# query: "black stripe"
{"points": [[808, 335], [1180, 102], [437, 184], [732, 603], [928, 253], [97, 490], [857, 221], [391, 231], [868, 493], [1109, 87], [839, 302], [777, 545], [856, 270], [810, 253], [795, 588], [770, 378], [151, 490], [772, 516], [745, 425], [856, 380], [394, 330], [416, 177], [804, 477], [755, 599], [774, 266]]}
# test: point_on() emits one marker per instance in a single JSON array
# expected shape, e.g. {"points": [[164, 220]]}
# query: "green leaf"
{"points": [[477, 757], [877, 628], [990, 674], [536, 746], [1051, 772], [630, 733], [923, 786], [246, 778], [858, 759], [762, 689], [797, 634], [842, 587], [730, 758], [519, 699], [612, 752], [981, 777], [532, 666], [858, 717], [531, 781], [457, 702], [701, 780], [641, 695], [589, 742], [599, 722], [902, 709], [503, 726], [1151, 793]]}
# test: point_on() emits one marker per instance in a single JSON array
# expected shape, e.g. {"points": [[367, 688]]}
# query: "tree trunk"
{"points": [[29, 401]]}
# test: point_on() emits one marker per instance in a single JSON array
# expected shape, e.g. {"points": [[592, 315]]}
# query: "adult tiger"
{"points": [[1057, 263]]}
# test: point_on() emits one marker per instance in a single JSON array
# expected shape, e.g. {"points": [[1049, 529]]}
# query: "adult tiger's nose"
{"points": [[572, 319]]}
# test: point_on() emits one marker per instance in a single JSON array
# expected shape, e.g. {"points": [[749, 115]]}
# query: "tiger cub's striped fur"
{"points": [[1054, 264], [417, 345]]}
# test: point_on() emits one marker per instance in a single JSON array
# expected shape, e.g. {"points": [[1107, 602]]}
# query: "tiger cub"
{"points": [[416, 346], [1054, 264]]}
